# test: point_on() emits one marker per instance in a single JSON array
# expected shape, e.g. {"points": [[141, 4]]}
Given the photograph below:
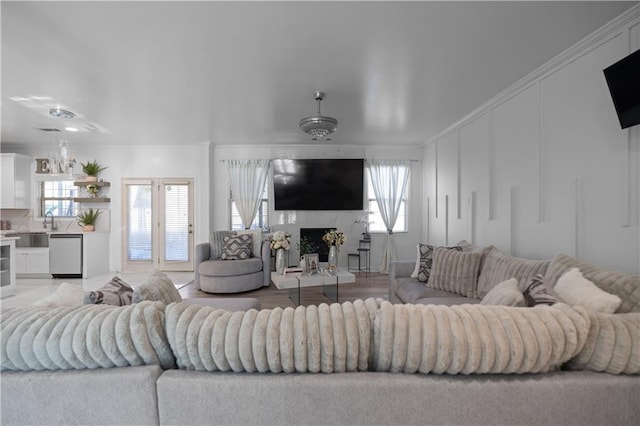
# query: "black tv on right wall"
{"points": [[623, 79]]}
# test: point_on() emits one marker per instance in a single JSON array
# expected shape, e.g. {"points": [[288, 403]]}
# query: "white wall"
{"points": [[544, 167], [175, 161], [344, 220]]}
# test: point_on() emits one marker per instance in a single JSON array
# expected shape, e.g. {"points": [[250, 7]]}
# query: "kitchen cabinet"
{"points": [[32, 261], [7, 267], [15, 170]]}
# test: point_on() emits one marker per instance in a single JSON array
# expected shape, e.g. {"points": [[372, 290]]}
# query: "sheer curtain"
{"points": [[247, 179], [389, 180]]}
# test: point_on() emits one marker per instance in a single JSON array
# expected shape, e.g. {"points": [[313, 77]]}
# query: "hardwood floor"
{"points": [[373, 285]]}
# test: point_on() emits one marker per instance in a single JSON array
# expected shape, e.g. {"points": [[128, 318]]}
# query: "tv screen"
{"points": [[318, 184], [623, 79]]}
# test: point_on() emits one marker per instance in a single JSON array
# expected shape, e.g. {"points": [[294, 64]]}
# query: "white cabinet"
{"points": [[7, 268], [32, 261], [16, 181]]}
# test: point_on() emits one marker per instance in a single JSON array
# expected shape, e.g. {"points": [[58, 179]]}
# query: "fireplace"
{"points": [[314, 237]]}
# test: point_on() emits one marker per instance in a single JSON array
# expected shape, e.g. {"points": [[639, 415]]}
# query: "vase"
{"points": [[280, 262], [332, 262]]}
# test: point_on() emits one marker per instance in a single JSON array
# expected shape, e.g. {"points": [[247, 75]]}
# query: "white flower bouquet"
{"points": [[334, 238], [280, 240]]}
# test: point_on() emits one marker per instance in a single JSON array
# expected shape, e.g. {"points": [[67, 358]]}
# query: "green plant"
{"points": [[88, 217], [92, 168]]}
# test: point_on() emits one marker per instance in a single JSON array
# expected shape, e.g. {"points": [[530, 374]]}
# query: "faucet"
{"points": [[44, 223]]}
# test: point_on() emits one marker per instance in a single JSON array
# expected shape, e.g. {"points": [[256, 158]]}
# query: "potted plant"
{"points": [[88, 219], [92, 169]]}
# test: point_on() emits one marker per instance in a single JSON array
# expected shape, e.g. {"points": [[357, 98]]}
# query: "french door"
{"points": [[157, 220]]}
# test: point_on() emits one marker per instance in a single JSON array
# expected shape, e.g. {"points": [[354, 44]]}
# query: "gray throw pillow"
{"points": [[455, 271], [425, 261], [158, 287], [116, 292], [506, 293], [237, 247], [537, 293]]}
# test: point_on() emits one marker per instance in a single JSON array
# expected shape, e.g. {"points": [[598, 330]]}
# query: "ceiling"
{"points": [[394, 73]]}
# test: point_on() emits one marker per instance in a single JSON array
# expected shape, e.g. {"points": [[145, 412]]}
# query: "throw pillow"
{"points": [[625, 286], [497, 267], [115, 292], [216, 241], [537, 293], [424, 261], [506, 293], [574, 289], [455, 271], [66, 294], [157, 287], [256, 235], [237, 247]]}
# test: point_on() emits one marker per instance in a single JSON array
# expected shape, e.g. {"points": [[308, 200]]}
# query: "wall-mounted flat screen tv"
{"points": [[318, 184], [623, 79]]}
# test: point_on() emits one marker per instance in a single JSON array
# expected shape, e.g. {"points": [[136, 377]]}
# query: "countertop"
{"points": [[13, 232]]}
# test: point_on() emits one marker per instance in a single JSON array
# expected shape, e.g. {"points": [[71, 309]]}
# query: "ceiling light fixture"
{"points": [[319, 126], [61, 113]]}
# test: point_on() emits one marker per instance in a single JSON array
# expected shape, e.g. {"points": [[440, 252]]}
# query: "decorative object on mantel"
{"points": [[93, 190], [87, 219], [364, 220], [280, 241], [334, 240], [318, 126], [92, 170]]}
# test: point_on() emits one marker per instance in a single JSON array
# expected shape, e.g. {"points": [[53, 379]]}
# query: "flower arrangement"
{"points": [[334, 238], [364, 220], [280, 240]]}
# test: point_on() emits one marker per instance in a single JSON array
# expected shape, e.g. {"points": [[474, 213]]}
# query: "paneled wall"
{"points": [[544, 167]]}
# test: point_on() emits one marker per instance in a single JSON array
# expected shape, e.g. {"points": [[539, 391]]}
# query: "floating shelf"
{"points": [[85, 183], [92, 200]]}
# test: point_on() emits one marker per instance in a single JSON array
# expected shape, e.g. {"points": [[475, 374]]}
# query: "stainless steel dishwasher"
{"points": [[65, 255]]}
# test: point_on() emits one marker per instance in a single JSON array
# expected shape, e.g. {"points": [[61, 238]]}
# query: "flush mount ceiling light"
{"points": [[319, 126], [61, 113]]}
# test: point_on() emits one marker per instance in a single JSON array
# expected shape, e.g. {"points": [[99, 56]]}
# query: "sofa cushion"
{"points": [[455, 271], [216, 241], [574, 289], [115, 292], [410, 290], [229, 268], [424, 261], [498, 267], [237, 247], [506, 293], [450, 300], [626, 286], [157, 287], [537, 292]]}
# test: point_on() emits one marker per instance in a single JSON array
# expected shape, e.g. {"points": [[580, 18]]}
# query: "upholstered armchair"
{"points": [[213, 274]]}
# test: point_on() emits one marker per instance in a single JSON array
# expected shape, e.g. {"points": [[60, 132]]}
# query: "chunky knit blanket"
{"points": [[88, 336]]}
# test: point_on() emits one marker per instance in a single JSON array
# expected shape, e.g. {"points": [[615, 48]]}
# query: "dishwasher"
{"points": [[65, 255]]}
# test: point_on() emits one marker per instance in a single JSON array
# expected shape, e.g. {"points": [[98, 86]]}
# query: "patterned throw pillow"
{"points": [[237, 247], [115, 292], [425, 261], [536, 292]]}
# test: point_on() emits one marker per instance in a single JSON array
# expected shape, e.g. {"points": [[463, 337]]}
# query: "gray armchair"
{"points": [[214, 275]]}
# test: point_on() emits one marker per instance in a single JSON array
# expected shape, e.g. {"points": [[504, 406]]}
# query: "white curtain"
{"points": [[247, 179], [389, 180]]}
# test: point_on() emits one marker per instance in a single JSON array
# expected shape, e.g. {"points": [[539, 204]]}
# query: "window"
{"points": [[261, 219], [376, 217], [56, 196]]}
